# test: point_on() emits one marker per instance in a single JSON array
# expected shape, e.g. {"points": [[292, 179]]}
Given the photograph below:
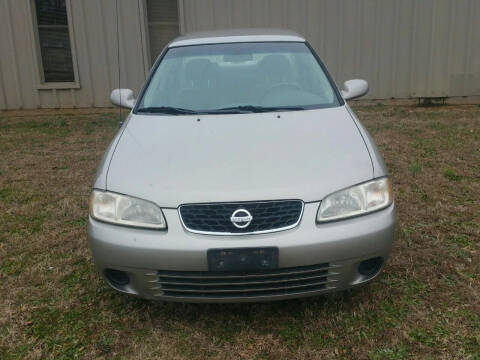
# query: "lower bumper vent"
{"points": [[209, 285]]}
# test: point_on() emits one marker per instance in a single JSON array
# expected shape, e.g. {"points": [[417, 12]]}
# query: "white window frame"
{"points": [[41, 84]]}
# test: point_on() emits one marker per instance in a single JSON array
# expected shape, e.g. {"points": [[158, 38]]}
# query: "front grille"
{"points": [[267, 216], [209, 285]]}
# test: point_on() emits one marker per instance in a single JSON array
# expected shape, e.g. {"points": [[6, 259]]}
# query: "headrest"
{"points": [[276, 65], [195, 69]]}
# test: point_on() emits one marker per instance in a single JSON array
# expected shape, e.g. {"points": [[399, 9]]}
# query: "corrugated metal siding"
{"points": [[95, 41], [404, 48]]}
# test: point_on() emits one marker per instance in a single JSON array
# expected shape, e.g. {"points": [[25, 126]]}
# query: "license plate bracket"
{"points": [[242, 259]]}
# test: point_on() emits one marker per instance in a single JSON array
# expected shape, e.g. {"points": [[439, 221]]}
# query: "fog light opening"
{"points": [[370, 267], [117, 278]]}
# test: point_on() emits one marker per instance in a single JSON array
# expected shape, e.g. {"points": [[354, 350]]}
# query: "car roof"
{"points": [[235, 36]]}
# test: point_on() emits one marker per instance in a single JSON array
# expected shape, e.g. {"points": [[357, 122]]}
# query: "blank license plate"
{"points": [[243, 259]]}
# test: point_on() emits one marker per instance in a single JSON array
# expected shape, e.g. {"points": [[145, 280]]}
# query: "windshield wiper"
{"points": [[166, 110], [253, 109], [241, 109]]}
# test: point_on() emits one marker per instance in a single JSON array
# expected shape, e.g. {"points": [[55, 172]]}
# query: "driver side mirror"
{"points": [[123, 98], [353, 89]]}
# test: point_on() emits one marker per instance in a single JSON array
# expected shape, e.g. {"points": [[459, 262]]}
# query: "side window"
{"points": [[53, 37]]}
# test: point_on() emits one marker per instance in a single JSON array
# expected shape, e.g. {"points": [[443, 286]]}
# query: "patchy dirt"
{"points": [[426, 304]]}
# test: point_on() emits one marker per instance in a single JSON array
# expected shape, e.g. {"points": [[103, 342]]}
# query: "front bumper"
{"points": [[337, 246]]}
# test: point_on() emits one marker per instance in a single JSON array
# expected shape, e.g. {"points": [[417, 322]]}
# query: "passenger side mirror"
{"points": [[353, 89], [123, 97]]}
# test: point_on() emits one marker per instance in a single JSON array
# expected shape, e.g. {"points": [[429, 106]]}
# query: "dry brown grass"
{"points": [[426, 304]]}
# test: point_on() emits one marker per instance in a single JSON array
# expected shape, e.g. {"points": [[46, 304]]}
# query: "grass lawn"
{"points": [[53, 304]]}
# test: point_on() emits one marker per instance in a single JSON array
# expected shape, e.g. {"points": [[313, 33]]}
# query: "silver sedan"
{"points": [[240, 174]]}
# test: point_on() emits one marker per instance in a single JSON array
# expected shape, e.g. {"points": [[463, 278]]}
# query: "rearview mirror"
{"points": [[123, 97], [353, 89]]}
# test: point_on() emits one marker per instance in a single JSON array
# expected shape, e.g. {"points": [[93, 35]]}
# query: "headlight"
{"points": [[357, 200], [125, 210]]}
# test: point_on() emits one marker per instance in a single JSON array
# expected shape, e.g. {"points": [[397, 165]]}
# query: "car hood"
{"points": [[174, 160]]}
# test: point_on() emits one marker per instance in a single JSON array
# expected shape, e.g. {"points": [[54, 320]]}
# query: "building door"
{"points": [[163, 24]]}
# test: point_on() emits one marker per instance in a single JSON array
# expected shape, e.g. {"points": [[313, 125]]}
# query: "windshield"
{"points": [[237, 77]]}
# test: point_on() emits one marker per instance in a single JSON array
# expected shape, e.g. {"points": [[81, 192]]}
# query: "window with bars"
{"points": [[54, 41], [163, 25]]}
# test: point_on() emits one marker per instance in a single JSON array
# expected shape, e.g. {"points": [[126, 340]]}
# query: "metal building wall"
{"points": [[95, 41], [404, 48]]}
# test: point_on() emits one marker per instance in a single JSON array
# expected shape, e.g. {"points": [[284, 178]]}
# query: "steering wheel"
{"points": [[277, 87]]}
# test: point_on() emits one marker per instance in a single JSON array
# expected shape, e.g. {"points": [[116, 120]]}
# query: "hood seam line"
{"points": [[361, 135]]}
